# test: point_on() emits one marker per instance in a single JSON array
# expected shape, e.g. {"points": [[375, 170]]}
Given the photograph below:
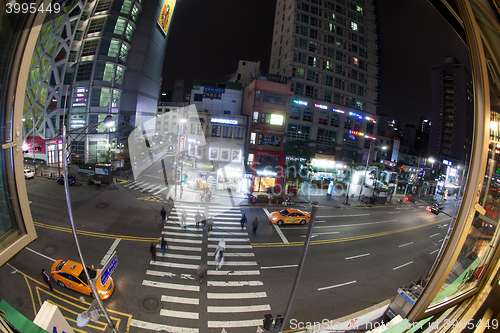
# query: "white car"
{"points": [[28, 173]]}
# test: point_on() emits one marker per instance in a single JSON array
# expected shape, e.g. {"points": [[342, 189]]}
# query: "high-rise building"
{"points": [[94, 59], [452, 111], [331, 49]]}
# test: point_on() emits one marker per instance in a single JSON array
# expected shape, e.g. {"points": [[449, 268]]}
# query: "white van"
{"points": [[28, 173]]}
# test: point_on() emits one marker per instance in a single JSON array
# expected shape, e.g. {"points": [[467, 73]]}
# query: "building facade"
{"points": [[211, 96], [451, 100], [331, 51], [106, 59]]}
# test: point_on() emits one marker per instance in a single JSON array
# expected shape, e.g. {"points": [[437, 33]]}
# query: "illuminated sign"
{"points": [[296, 101], [338, 111], [276, 119], [320, 106], [370, 119], [447, 162], [357, 133], [81, 90], [356, 115], [166, 15], [370, 137], [224, 121], [266, 173]]}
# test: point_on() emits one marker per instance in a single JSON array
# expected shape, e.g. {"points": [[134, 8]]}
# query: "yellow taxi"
{"points": [[70, 274], [289, 215]]}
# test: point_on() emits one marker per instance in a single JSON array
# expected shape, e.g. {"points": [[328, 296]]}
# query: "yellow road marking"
{"points": [[346, 239], [73, 301]]}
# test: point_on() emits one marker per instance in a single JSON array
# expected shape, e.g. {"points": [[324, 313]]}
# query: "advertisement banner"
{"points": [[166, 12]]}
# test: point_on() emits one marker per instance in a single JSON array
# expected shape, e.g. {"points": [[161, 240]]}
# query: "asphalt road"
{"points": [[358, 257]]}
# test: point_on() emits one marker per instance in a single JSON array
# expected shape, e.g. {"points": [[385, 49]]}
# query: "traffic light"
{"points": [[268, 322]]}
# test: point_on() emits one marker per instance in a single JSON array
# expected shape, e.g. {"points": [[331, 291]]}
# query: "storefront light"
{"points": [[297, 101]]}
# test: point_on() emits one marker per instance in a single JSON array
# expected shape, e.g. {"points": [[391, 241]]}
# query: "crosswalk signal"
{"points": [[278, 321], [268, 322]]}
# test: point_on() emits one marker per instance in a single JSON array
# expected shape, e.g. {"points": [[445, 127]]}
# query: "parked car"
{"points": [[28, 173], [289, 215], [70, 274], [71, 180]]}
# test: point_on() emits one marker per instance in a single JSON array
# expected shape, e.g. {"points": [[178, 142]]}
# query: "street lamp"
{"points": [[92, 286]]}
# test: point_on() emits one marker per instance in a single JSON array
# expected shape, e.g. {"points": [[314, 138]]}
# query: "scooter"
{"points": [[251, 198]]}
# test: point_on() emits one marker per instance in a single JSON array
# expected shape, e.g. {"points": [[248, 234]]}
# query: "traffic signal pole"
{"points": [[301, 264]]}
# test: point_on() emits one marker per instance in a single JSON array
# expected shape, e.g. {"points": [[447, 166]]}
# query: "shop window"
{"points": [[350, 140], [238, 132], [307, 115], [298, 131], [326, 136], [272, 98], [227, 132], [323, 118], [216, 130], [269, 140], [347, 123]]}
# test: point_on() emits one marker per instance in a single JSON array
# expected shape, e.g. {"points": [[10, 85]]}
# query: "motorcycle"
{"points": [[251, 198]]}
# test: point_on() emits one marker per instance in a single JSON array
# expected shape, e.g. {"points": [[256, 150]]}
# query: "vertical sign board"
{"points": [[165, 16], [108, 269]]}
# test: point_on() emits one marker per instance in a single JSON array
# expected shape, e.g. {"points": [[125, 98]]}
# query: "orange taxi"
{"points": [[70, 274], [289, 215]]}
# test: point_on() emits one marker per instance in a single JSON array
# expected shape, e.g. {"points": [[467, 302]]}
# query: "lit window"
{"points": [[252, 139], [354, 26]]}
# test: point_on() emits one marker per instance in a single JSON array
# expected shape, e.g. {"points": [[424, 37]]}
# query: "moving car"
{"points": [[289, 215], [28, 173], [433, 209], [71, 180], [70, 274]]}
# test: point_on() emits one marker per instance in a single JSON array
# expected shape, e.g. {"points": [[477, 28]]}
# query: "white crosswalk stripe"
{"points": [[234, 293]]}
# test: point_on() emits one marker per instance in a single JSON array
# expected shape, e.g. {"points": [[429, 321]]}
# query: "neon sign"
{"points": [[338, 111], [356, 115], [224, 121], [296, 101], [320, 106], [357, 133]]}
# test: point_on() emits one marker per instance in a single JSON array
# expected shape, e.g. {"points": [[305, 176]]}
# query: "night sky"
{"points": [[208, 38]]}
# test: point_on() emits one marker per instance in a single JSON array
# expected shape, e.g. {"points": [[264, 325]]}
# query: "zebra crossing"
{"points": [[143, 186], [231, 298]]}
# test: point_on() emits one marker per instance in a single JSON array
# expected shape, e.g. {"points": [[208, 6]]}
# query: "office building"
{"points": [[105, 58]]}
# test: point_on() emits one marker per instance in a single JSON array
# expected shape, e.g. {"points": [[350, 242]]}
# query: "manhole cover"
{"points": [[101, 205], [50, 250], [149, 304], [135, 222], [19, 301]]}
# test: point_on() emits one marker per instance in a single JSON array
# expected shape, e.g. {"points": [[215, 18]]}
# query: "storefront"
{"points": [[230, 176], [265, 181]]}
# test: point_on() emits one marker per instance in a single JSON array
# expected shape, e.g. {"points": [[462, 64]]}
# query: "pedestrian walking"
{"points": [[163, 214], [202, 271], [127, 177], [152, 249], [184, 218], [46, 279], [163, 245], [219, 253], [243, 221], [210, 225], [197, 218], [255, 225]]}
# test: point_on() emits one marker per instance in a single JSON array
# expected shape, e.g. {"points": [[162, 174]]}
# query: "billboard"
{"points": [[165, 16]]}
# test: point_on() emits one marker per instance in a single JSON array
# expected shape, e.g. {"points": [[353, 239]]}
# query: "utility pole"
{"points": [[301, 263]]}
